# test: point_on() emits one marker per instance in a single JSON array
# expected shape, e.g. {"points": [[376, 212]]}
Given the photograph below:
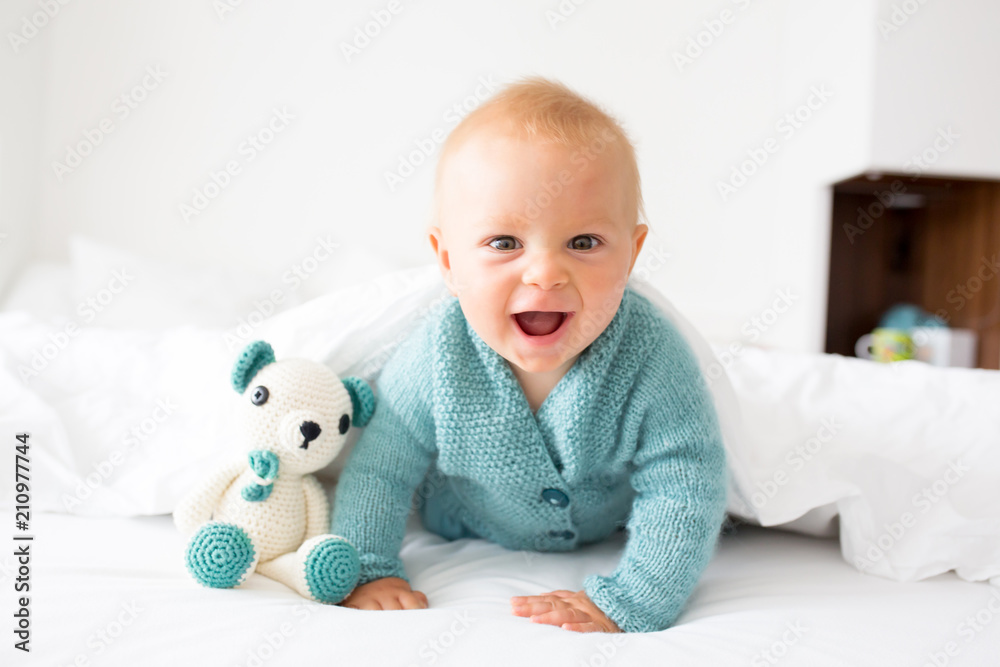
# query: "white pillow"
{"points": [[908, 453], [121, 421], [115, 288], [42, 289], [124, 422]]}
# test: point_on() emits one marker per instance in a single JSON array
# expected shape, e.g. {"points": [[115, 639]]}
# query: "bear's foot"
{"points": [[332, 567], [221, 555]]}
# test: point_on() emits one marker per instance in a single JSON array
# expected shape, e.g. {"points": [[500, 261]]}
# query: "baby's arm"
{"points": [[680, 483], [375, 491]]}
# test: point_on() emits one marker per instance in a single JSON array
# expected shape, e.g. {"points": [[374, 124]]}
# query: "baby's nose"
{"points": [[545, 271]]}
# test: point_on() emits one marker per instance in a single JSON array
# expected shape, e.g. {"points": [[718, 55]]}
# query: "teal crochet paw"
{"points": [[332, 569], [220, 555]]}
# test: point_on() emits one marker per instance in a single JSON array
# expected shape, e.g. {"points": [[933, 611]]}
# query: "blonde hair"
{"points": [[537, 108]]}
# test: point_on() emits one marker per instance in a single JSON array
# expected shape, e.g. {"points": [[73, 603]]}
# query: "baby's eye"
{"points": [[584, 242], [504, 243]]}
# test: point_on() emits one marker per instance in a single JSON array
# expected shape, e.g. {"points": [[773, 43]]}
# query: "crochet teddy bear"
{"points": [[264, 512]]}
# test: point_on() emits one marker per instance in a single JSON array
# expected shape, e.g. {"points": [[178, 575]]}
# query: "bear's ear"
{"points": [[254, 357], [362, 398]]}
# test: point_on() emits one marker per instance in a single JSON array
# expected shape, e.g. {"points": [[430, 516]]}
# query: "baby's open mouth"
{"points": [[539, 322]]}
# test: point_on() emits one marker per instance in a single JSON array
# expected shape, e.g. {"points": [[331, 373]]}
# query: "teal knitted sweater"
{"points": [[628, 439]]}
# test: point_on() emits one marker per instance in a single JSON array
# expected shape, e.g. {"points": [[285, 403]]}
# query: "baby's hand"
{"points": [[569, 610], [385, 593]]}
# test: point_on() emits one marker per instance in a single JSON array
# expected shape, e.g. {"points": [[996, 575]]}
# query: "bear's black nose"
{"points": [[310, 431]]}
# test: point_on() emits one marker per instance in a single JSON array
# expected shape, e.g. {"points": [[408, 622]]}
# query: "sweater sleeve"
{"points": [[375, 490], [680, 483]]}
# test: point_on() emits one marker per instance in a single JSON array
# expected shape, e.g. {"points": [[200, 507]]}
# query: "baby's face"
{"points": [[536, 243]]}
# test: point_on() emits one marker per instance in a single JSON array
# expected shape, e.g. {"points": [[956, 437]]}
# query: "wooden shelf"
{"points": [[932, 241]]}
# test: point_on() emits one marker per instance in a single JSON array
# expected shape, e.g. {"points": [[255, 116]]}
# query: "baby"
{"points": [[544, 405]]}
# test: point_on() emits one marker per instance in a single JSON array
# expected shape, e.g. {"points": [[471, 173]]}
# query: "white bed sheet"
{"points": [[765, 590]]}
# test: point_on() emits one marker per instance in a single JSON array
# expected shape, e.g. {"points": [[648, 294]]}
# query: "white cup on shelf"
{"points": [[941, 346]]}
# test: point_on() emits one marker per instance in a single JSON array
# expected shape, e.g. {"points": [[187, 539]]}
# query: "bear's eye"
{"points": [[345, 423], [259, 395]]}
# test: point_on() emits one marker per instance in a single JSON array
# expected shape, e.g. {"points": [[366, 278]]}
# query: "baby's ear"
{"points": [[362, 399], [254, 357], [444, 262]]}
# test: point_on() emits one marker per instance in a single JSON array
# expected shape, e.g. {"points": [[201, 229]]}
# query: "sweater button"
{"points": [[555, 497], [564, 534]]}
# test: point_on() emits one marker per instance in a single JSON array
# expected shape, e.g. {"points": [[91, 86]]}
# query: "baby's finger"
{"points": [[532, 599], [561, 616], [532, 608], [412, 601], [562, 594], [369, 605], [392, 603]]}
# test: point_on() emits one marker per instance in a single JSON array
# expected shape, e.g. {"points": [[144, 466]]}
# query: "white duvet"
{"points": [[124, 421]]}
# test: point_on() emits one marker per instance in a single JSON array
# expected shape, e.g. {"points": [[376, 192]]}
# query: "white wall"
{"points": [[937, 68], [21, 71], [323, 174]]}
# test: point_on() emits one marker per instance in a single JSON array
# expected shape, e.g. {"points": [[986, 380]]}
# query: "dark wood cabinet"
{"points": [[933, 241]]}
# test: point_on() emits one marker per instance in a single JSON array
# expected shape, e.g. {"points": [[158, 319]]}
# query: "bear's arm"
{"points": [[198, 506], [317, 507]]}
